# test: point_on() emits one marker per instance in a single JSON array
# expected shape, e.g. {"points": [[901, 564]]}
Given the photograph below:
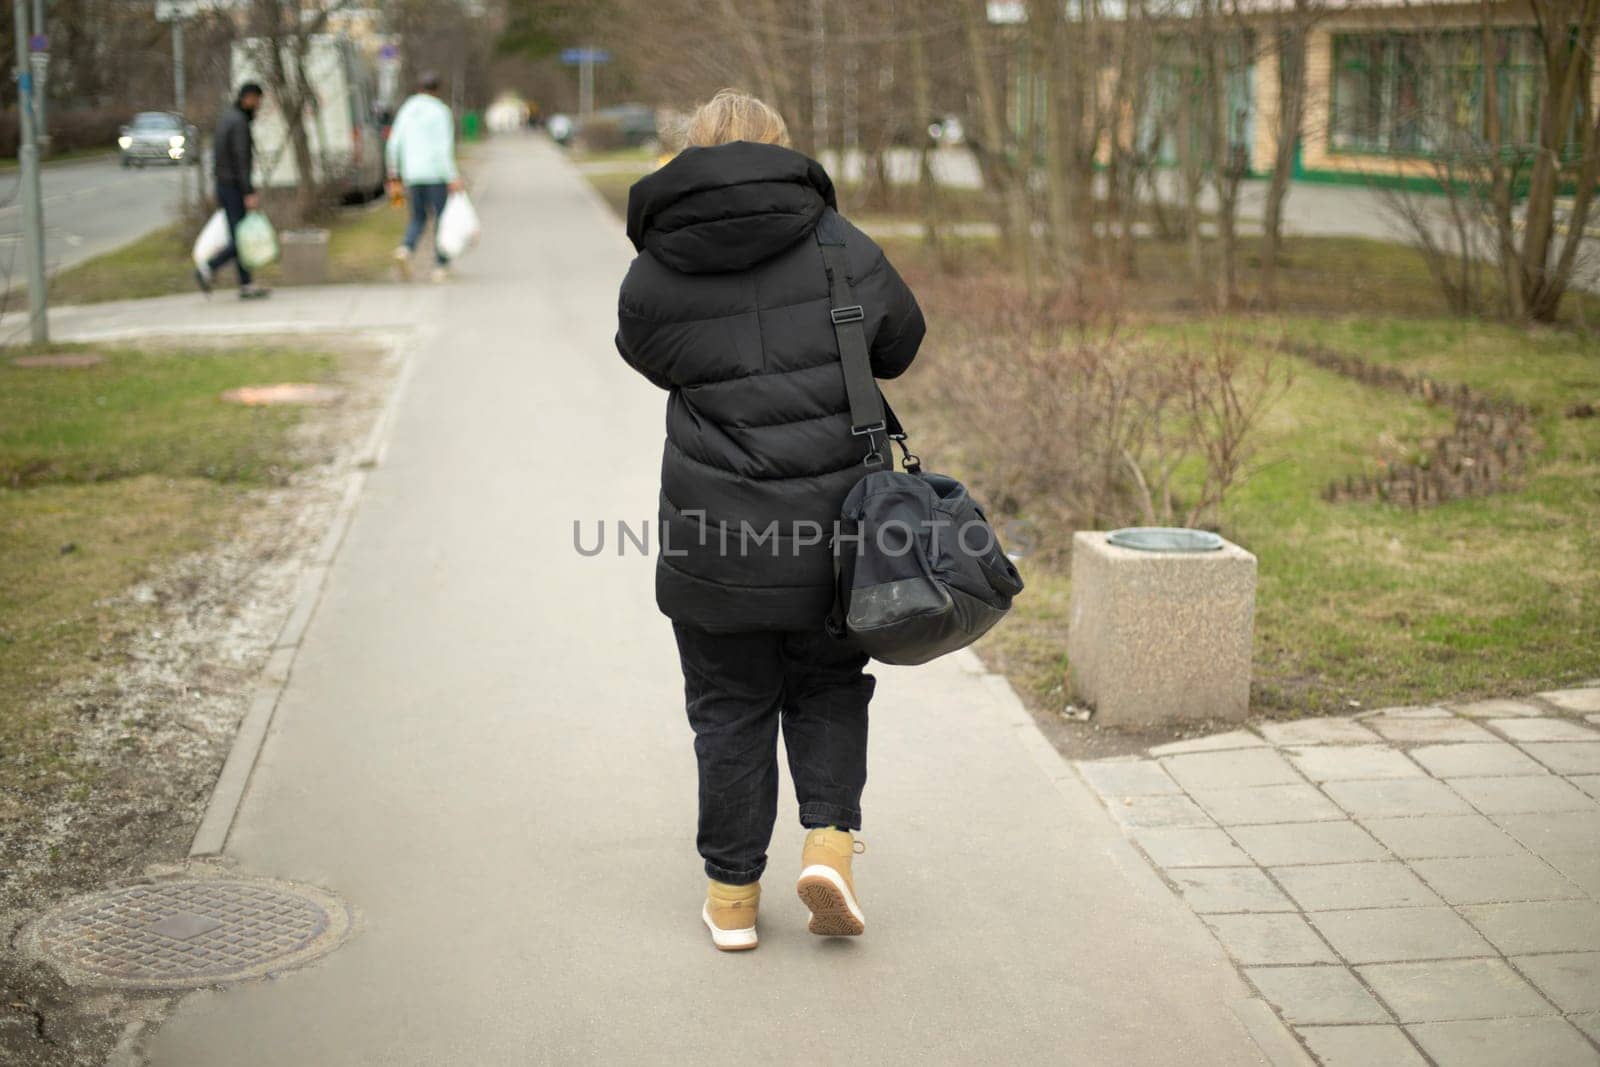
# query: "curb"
{"points": [[1275, 1041], [227, 795]]}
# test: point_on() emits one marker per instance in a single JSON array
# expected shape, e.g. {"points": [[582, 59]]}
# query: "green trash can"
{"points": [[471, 126]]}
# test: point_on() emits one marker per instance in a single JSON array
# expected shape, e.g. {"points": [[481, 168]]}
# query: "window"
{"points": [[1422, 94]]}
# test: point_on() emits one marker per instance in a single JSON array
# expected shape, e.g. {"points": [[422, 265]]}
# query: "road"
{"points": [[482, 747], [89, 208]]}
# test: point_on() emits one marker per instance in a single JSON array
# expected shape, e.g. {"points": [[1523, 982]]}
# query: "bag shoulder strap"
{"points": [[868, 417]]}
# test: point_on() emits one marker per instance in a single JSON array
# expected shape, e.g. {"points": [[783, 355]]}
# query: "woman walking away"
{"points": [[726, 307]]}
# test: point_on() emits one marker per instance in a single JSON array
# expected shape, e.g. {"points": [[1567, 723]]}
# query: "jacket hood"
{"points": [[727, 207]]}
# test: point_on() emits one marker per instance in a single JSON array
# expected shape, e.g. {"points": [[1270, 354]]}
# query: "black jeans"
{"points": [[231, 199], [426, 200], [739, 687]]}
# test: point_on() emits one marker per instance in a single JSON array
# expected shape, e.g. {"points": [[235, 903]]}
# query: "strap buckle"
{"points": [[853, 313], [873, 458]]}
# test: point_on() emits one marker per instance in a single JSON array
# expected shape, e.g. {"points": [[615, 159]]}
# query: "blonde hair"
{"points": [[732, 115]]}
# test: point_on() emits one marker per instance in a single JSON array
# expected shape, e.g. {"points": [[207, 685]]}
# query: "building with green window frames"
{"points": [[1392, 87]]}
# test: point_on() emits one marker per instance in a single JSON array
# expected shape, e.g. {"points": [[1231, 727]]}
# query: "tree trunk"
{"points": [[928, 182], [1291, 108], [1019, 237]]}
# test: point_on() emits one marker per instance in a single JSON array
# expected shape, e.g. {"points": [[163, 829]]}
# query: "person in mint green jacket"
{"points": [[422, 160]]}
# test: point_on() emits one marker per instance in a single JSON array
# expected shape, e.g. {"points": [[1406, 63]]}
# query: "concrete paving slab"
{"points": [[1446, 990], [1154, 811], [1213, 743], [1280, 844], [1190, 848], [1331, 763], [1307, 995], [1515, 796], [1498, 709], [1542, 926], [1491, 879], [1361, 1046], [1399, 797], [1229, 770], [1127, 778], [1567, 831], [482, 746], [1496, 1042], [1414, 711], [1582, 700], [1544, 730], [1476, 761], [1570, 979], [1429, 730], [1589, 783], [1442, 835], [1582, 868], [1589, 1023], [1323, 731], [1267, 804], [1339, 886], [1270, 938], [1224, 889], [1567, 757], [1386, 935]]}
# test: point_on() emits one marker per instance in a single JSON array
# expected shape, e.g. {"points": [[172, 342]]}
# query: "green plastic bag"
{"points": [[256, 241]]}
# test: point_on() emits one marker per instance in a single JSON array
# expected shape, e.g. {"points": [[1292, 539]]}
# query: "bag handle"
{"points": [[870, 413]]}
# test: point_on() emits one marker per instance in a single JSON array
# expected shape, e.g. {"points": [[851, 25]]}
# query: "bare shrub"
{"points": [[1059, 413]]}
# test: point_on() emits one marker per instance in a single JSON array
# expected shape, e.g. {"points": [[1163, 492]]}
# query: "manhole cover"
{"points": [[282, 393], [172, 935], [60, 359]]}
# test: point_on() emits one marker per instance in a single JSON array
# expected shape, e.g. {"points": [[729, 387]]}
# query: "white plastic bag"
{"points": [[458, 226], [213, 239], [257, 241]]}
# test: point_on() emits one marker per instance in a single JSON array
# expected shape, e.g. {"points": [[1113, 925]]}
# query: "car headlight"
{"points": [[175, 141], [124, 141]]}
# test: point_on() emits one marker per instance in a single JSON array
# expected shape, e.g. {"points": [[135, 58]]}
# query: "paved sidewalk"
{"points": [[307, 310], [1423, 878], [482, 747]]}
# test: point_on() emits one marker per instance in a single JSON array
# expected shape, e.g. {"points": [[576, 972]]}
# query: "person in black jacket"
{"points": [[236, 194], [726, 307]]}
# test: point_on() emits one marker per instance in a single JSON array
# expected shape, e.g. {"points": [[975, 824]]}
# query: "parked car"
{"points": [[158, 137]]}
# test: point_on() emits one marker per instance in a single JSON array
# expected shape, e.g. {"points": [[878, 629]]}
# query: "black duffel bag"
{"points": [[920, 571]]}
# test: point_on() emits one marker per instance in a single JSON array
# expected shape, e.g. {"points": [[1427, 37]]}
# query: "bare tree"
{"points": [[1288, 29]]}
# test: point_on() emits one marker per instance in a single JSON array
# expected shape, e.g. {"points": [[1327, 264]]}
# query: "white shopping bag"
{"points": [[458, 226], [213, 239]]}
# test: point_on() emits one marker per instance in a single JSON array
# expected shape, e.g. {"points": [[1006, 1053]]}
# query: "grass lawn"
{"points": [[359, 246], [1373, 603], [107, 473], [1357, 603]]}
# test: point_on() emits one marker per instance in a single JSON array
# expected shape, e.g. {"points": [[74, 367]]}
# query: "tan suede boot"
{"points": [[825, 885], [730, 915]]}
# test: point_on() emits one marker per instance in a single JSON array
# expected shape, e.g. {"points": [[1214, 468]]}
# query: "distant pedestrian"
{"points": [[727, 308], [422, 160], [236, 192]]}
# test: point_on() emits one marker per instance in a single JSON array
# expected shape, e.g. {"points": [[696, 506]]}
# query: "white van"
{"points": [[342, 126]]}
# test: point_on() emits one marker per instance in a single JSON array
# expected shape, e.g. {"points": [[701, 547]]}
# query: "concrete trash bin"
{"points": [[1160, 636], [304, 256]]}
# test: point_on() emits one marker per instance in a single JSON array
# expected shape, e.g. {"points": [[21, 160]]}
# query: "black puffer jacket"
{"points": [[233, 149], [726, 307]]}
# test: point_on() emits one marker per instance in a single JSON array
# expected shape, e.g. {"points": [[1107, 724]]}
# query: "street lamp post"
{"points": [[40, 54], [32, 205]]}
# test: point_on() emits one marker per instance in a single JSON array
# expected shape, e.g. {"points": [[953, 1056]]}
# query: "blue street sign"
{"points": [[573, 56], [38, 43], [388, 51]]}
